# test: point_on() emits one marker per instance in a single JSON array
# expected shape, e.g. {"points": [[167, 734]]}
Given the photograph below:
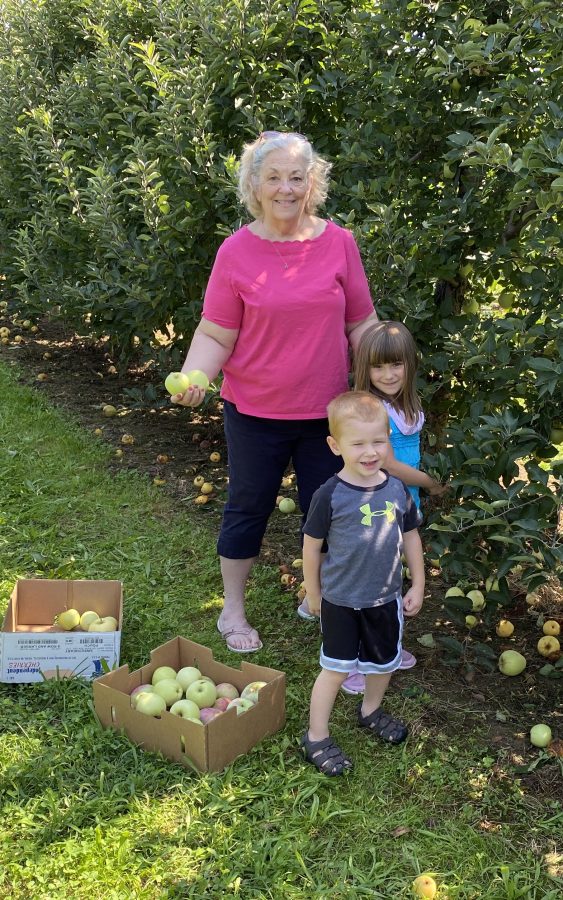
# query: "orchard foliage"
{"points": [[120, 124]]}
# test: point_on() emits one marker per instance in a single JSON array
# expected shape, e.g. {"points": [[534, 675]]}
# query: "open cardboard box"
{"points": [[211, 747], [33, 648]]}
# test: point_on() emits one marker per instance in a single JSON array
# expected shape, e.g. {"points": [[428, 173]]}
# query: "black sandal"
{"points": [[383, 725], [326, 756]]}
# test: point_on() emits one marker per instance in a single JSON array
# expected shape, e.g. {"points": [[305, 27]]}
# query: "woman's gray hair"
{"points": [[252, 160]]}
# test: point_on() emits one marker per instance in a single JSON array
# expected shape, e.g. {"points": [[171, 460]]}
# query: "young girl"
{"points": [[385, 364]]}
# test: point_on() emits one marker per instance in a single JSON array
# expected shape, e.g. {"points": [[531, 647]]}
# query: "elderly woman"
{"points": [[286, 297]]}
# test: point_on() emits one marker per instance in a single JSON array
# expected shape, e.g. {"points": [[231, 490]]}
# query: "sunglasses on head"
{"points": [[268, 135]]}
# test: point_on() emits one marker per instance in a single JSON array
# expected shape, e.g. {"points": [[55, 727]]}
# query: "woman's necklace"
{"points": [[284, 262]]}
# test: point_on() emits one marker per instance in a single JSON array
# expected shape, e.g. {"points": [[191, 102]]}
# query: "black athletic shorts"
{"points": [[366, 640]]}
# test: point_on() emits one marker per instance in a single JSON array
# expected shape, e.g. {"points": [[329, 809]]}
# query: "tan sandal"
{"points": [[243, 632]]}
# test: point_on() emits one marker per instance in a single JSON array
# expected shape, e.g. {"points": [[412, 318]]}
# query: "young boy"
{"points": [[368, 519]]}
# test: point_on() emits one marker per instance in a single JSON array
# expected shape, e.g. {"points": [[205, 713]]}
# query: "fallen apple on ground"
{"points": [[540, 735], [511, 662], [548, 645], [454, 592], [471, 621], [477, 600], [163, 672], [425, 886], [504, 628], [109, 410], [551, 628], [286, 505], [68, 619]]}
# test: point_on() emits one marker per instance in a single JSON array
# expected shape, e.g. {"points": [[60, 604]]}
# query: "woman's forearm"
{"points": [[207, 353]]}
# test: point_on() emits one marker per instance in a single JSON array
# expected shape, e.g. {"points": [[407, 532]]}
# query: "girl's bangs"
{"points": [[388, 349]]}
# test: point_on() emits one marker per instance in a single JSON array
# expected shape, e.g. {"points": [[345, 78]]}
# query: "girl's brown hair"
{"points": [[389, 342]]}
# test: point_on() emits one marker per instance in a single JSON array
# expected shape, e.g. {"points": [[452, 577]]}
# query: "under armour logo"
{"points": [[388, 512]]}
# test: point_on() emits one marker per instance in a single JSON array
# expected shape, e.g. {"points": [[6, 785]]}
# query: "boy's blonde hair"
{"points": [[389, 342], [359, 405]]}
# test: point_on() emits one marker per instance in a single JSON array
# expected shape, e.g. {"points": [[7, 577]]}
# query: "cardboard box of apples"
{"points": [[57, 628], [191, 708]]}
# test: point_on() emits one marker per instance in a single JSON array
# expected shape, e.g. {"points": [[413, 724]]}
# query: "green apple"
{"points": [[471, 621], [150, 704], [250, 692], [454, 592], [491, 584], [506, 300], [169, 690], [511, 662], [556, 435], [109, 410], [163, 672], [87, 618], [186, 709], [470, 307], [477, 600], [68, 619], [540, 735], [202, 692], [187, 675], [142, 689], [287, 505], [198, 378], [241, 704], [108, 623], [176, 383], [425, 886]]}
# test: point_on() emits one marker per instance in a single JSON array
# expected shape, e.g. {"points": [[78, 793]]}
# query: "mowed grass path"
{"points": [[87, 814]]}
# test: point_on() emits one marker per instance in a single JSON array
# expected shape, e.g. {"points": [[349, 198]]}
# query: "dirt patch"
{"points": [[174, 446]]}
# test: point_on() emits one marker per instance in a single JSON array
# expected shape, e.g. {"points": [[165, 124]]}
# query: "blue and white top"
{"points": [[405, 441]]}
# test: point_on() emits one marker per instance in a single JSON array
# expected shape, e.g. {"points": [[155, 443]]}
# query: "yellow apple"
{"points": [[504, 628], [68, 619], [87, 618], [215, 457], [551, 627], [425, 886], [107, 623], [548, 645], [198, 378], [206, 488], [109, 410]]}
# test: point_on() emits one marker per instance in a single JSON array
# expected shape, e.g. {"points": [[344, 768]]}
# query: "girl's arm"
{"points": [[209, 350], [412, 476], [312, 557]]}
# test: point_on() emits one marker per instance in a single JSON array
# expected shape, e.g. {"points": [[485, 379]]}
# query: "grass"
{"points": [[85, 813]]}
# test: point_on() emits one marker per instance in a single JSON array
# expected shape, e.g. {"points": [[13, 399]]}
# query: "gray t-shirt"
{"points": [[364, 530]]}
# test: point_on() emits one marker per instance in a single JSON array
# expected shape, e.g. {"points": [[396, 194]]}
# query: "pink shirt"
{"points": [[291, 354]]}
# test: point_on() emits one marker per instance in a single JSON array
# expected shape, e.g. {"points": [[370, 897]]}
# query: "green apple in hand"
{"points": [[198, 379], [176, 383]]}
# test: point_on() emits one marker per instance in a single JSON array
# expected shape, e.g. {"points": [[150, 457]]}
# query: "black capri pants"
{"points": [[259, 451]]}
